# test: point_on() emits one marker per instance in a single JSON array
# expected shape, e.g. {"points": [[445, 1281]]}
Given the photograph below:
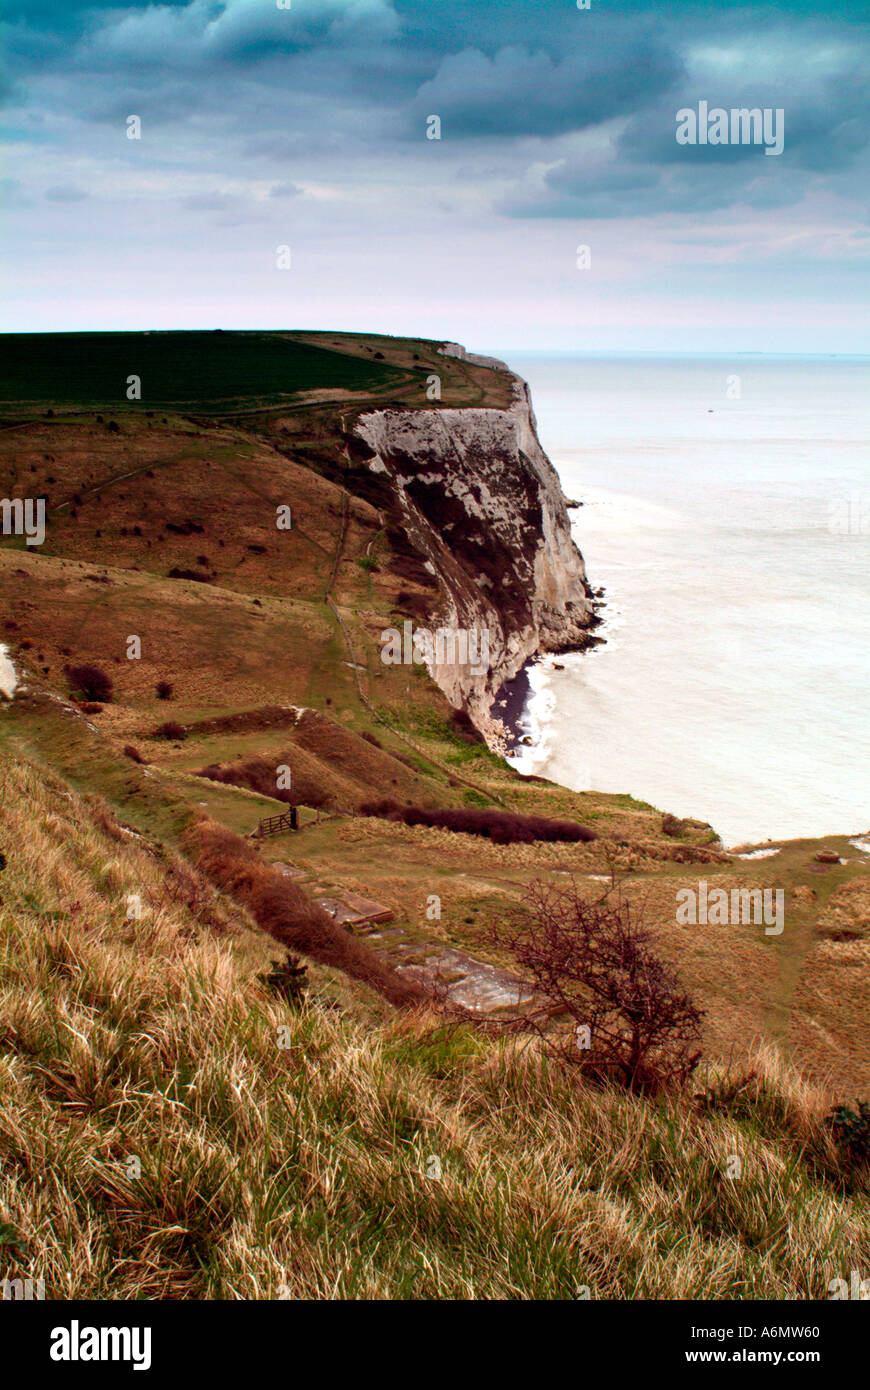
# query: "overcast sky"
{"points": [[306, 127]]}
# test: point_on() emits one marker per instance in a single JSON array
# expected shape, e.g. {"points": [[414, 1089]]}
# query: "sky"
{"points": [[305, 124]]}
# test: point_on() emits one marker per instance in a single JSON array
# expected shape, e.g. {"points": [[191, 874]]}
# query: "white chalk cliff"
{"points": [[482, 504]]}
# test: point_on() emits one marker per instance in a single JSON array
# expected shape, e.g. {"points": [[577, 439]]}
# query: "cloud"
{"points": [[252, 115], [66, 193], [523, 92], [14, 194], [816, 78], [593, 187], [239, 33]]}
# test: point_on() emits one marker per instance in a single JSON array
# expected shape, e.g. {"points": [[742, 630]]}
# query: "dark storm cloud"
{"points": [[492, 69], [245, 82], [827, 120], [523, 92]]}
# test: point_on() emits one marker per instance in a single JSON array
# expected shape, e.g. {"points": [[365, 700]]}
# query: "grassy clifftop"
{"points": [[220, 374]]}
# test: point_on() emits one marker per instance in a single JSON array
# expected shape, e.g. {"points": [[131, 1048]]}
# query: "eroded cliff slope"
{"points": [[482, 503]]}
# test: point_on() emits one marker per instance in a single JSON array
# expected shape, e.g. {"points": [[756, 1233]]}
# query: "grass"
{"points": [[169, 1129], [272, 381], [200, 371]]}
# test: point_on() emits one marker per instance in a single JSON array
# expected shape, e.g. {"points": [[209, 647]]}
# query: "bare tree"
{"points": [[593, 962]]}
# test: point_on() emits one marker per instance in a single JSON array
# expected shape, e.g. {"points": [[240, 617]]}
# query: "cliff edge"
{"points": [[483, 505]]}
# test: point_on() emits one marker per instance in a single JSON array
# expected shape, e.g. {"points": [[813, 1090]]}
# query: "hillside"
{"points": [[257, 649], [171, 1127]]}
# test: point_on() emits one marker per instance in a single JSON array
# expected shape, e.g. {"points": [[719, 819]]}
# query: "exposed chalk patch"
{"points": [[8, 678]]}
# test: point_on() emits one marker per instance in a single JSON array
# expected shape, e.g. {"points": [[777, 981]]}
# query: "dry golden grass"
{"points": [[161, 1136]]}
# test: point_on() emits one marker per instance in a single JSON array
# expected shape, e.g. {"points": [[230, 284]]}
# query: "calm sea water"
{"points": [[726, 511]]}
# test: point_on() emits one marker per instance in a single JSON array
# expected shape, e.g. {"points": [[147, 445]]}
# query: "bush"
{"points": [[631, 1021], [164, 690], [256, 774], [463, 727], [851, 1132], [90, 682], [289, 980], [171, 730], [502, 827], [281, 908], [199, 576]]}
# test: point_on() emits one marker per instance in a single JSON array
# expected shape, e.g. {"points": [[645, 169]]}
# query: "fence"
{"points": [[273, 825]]}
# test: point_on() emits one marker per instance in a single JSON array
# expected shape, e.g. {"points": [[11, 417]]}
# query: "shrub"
{"points": [[463, 727], [289, 980], [502, 827], [171, 730], [631, 1020], [164, 690], [851, 1132], [90, 682], [133, 753], [199, 576], [256, 774], [183, 887], [281, 908]]}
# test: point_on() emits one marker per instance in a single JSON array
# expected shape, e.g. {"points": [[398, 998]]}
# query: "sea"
{"points": [[726, 514]]}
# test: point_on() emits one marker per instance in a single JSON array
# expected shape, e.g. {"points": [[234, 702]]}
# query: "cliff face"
{"points": [[482, 503]]}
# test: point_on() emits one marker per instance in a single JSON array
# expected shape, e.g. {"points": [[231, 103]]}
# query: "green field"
{"points": [[209, 372]]}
